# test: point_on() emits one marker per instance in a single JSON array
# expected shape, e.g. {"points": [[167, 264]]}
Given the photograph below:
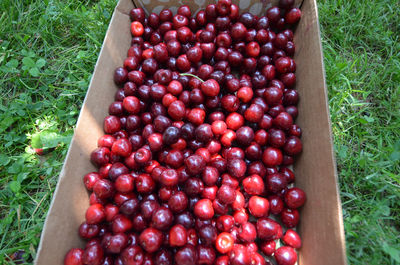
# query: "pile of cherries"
{"points": [[194, 162]]}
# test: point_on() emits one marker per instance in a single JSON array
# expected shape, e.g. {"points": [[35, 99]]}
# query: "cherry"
{"points": [[268, 229], [177, 236], [121, 224], [122, 147], [88, 231], [163, 257], [74, 257], [268, 247], [162, 218], [187, 255], [276, 204], [237, 167], [93, 255], [285, 256], [247, 232], [132, 255], [116, 243], [144, 183], [210, 88], [90, 179], [293, 145], [103, 189], [206, 255], [244, 135], [207, 234], [196, 116], [293, 16], [95, 214], [290, 218], [292, 239], [272, 157], [178, 202], [258, 206], [222, 260], [253, 49], [130, 206], [120, 76], [225, 223], [204, 209], [295, 198], [258, 259], [226, 194], [137, 14], [210, 175], [151, 239], [239, 255], [224, 242], [253, 185], [195, 164]]}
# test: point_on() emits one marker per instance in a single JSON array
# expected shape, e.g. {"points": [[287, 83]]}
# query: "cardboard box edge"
{"points": [[332, 151]]}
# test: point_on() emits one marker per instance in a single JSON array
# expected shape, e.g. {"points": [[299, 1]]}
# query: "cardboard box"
{"points": [[321, 225]]}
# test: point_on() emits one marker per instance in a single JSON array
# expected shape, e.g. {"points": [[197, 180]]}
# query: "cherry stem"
{"points": [[187, 74]]}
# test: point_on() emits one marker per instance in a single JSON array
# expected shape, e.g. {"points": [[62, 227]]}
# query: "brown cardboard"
{"points": [[321, 224]]}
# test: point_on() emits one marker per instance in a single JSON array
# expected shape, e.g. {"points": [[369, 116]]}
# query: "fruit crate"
{"points": [[321, 226]]}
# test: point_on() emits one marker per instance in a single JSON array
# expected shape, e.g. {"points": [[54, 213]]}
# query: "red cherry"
{"points": [[74, 257], [151, 239], [224, 242], [95, 214], [204, 209], [258, 206], [295, 198], [285, 256], [292, 239]]}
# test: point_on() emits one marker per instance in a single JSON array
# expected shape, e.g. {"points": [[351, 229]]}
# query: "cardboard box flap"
{"points": [[253, 6]]}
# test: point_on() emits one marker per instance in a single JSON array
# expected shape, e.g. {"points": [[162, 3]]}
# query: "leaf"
{"points": [[6, 122], [4, 160], [40, 63], [394, 156], [27, 53], [81, 54], [13, 63], [394, 253], [22, 176], [28, 62], [14, 168], [35, 141], [49, 139], [369, 119], [397, 145], [34, 72], [385, 210], [343, 152], [15, 186]]}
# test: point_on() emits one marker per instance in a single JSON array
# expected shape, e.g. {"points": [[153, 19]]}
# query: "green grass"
{"points": [[47, 54], [362, 60]]}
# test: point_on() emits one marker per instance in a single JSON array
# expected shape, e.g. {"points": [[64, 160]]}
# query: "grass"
{"points": [[47, 54], [362, 60]]}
